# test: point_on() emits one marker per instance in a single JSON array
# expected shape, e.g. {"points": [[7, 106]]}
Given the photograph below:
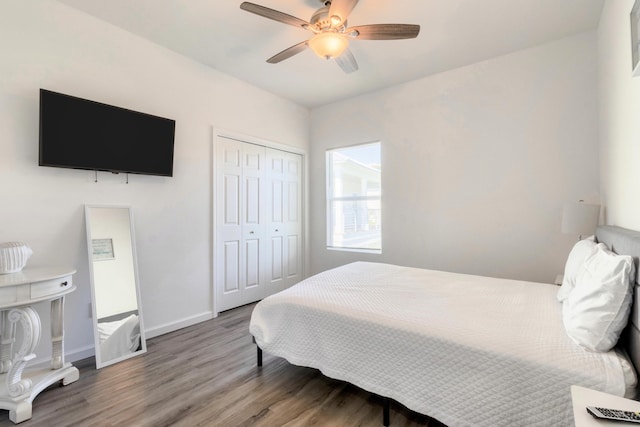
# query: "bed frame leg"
{"points": [[259, 351], [385, 411]]}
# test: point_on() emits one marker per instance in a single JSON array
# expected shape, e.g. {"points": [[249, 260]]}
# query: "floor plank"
{"points": [[206, 375]]}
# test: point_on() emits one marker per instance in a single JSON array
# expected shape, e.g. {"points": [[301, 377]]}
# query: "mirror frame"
{"points": [[94, 312]]}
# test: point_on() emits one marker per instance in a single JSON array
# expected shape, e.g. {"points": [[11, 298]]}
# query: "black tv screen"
{"points": [[82, 134]]}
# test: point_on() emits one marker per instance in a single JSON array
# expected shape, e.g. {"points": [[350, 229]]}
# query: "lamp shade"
{"points": [[580, 218], [328, 44]]}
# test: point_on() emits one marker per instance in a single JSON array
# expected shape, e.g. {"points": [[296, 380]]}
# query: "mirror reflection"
{"points": [[117, 314]]}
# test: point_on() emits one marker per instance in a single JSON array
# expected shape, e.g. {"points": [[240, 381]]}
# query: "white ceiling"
{"points": [[453, 33]]}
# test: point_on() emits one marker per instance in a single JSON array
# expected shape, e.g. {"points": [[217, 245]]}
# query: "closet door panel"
{"points": [[252, 269], [276, 259], [231, 199], [252, 201], [258, 209], [229, 270], [293, 195], [276, 218], [277, 211], [293, 257], [231, 266], [293, 180], [253, 222]]}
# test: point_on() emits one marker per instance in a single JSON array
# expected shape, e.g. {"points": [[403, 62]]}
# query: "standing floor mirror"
{"points": [[115, 291]]}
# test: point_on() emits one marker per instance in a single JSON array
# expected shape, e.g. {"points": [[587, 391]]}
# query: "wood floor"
{"points": [[206, 375]]}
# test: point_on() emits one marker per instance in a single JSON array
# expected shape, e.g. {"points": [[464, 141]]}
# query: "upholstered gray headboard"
{"points": [[626, 242]]}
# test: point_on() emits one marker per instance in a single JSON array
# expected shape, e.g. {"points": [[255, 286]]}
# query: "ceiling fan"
{"points": [[330, 32]]}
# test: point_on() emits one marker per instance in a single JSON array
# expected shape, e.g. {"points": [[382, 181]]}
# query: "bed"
{"points": [[466, 350]]}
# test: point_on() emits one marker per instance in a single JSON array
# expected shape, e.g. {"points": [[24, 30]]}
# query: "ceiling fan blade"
{"points": [[347, 62], [342, 9], [288, 52], [384, 31], [273, 14]]}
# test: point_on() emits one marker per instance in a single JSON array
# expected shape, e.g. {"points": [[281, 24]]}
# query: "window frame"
{"points": [[330, 199]]}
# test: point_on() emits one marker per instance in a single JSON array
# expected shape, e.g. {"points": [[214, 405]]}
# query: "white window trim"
{"points": [[329, 200]]}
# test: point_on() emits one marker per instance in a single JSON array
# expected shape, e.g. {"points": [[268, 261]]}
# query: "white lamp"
{"points": [[328, 44], [580, 218]]}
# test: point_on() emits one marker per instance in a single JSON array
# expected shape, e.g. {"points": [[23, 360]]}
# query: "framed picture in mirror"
{"points": [[102, 249]]}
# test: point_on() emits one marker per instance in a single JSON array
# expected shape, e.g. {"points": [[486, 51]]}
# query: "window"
{"points": [[354, 181]]}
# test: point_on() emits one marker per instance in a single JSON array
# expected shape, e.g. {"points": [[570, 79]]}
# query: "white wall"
{"points": [[619, 117], [45, 44], [477, 162]]}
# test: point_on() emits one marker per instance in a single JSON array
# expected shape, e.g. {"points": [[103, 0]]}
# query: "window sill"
{"points": [[360, 250]]}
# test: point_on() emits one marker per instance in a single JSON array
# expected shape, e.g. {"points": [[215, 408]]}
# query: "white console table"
{"points": [[18, 291]]}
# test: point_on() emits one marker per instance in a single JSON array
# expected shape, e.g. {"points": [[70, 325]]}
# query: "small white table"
{"points": [[583, 397], [18, 291]]}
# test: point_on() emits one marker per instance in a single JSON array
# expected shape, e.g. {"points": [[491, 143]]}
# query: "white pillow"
{"points": [[597, 310], [575, 260]]}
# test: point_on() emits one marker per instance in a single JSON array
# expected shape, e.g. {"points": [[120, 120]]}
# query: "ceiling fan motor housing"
{"points": [[320, 18], [322, 21]]}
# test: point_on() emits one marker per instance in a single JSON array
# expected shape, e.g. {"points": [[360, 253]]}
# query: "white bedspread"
{"points": [[466, 350], [119, 337]]}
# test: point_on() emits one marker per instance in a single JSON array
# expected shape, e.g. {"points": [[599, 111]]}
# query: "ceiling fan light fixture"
{"points": [[336, 20], [328, 44]]}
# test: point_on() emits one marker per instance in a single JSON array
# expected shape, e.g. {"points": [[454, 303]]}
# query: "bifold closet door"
{"points": [[284, 234], [240, 241], [258, 205]]}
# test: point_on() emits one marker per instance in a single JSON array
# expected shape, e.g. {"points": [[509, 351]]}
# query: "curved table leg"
{"points": [[6, 342], [18, 390], [30, 322]]}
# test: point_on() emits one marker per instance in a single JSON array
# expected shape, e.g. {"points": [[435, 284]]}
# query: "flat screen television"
{"points": [[82, 134]]}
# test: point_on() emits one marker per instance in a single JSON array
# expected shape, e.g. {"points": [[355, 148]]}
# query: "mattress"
{"points": [[466, 350]]}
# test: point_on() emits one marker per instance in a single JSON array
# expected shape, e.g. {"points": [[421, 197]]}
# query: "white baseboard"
{"points": [[174, 326], [69, 356], [79, 354], [89, 350]]}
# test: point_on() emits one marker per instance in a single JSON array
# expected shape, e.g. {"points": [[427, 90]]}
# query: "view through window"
{"points": [[353, 197]]}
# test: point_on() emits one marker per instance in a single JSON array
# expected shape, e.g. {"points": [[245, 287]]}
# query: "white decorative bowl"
{"points": [[13, 257]]}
